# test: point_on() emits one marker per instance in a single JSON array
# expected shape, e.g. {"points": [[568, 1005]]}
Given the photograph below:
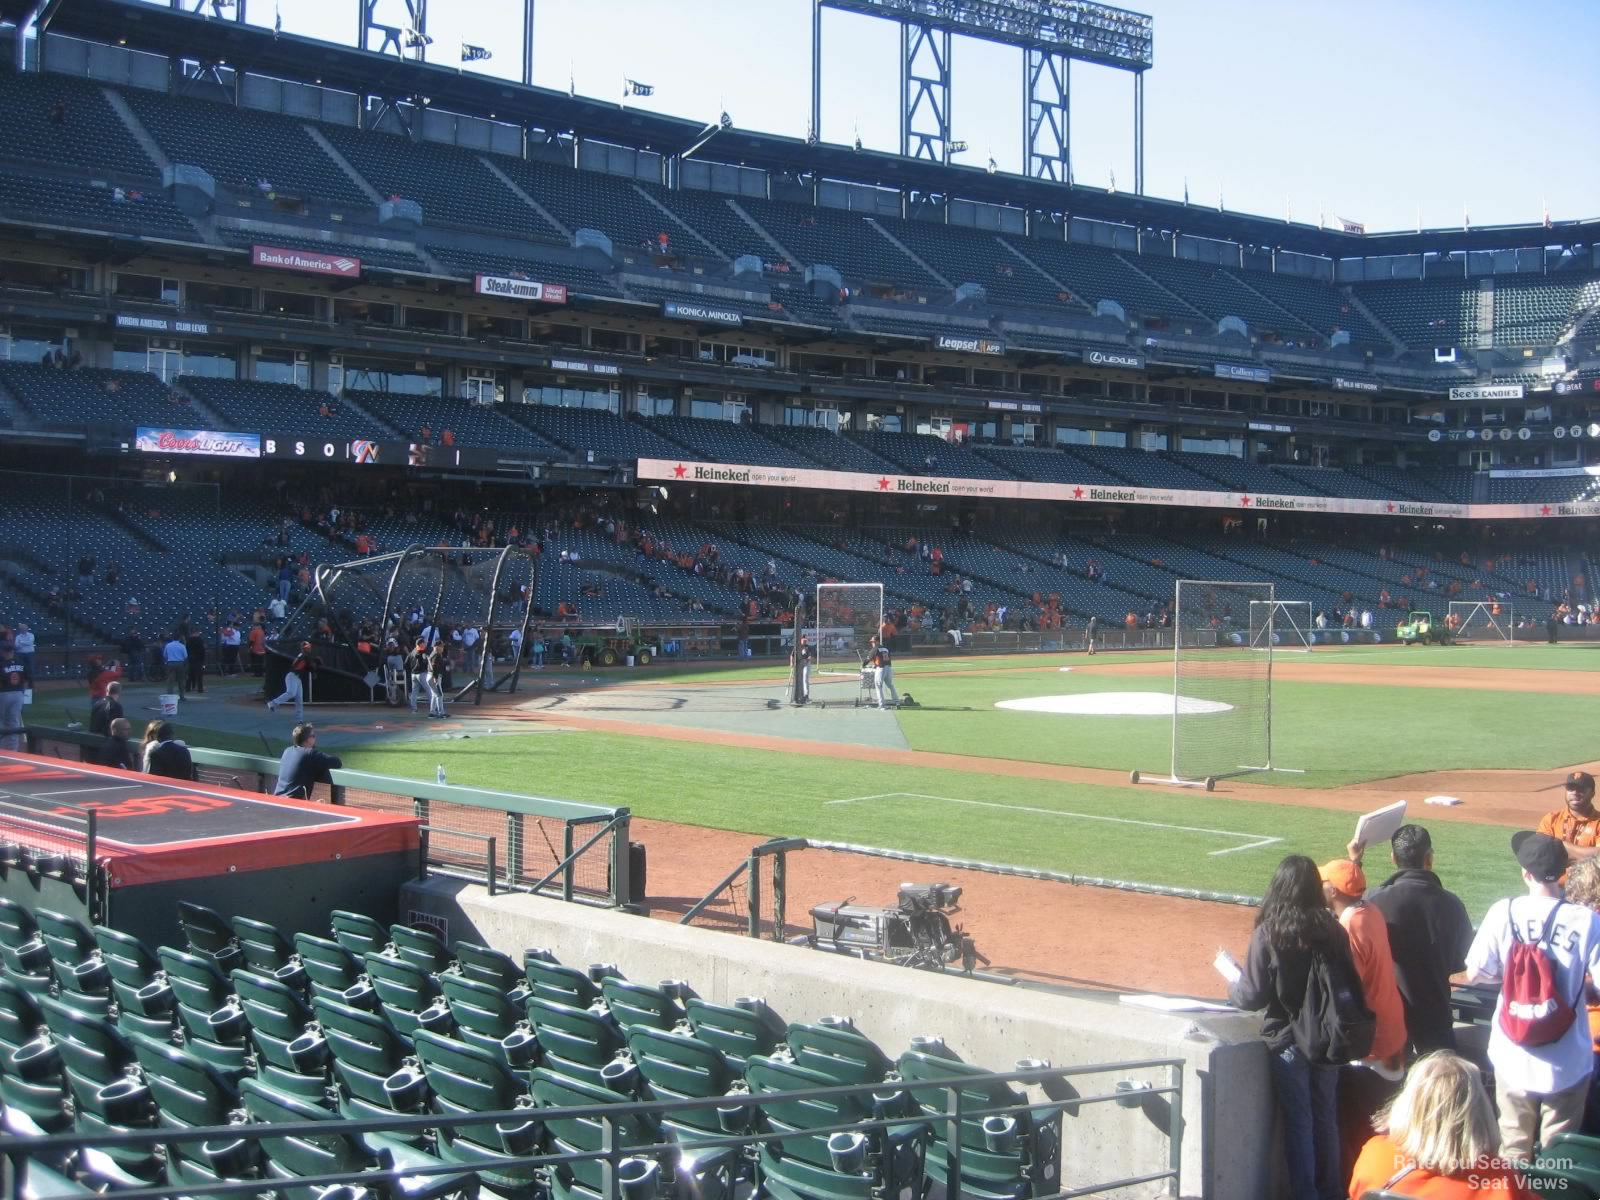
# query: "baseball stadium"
{"points": [[682, 662]]}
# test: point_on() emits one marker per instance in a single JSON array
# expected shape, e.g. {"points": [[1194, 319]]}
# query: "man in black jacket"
{"points": [[106, 709], [1429, 935], [169, 756], [303, 766], [117, 751]]}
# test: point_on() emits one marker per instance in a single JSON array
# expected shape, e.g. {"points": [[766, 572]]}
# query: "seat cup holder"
{"points": [[621, 1076], [518, 1138], [36, 1059], [1000, 1135], [521, 1047], [638, 1178], [849, 1152], [309, 1053], [407, 1090]]}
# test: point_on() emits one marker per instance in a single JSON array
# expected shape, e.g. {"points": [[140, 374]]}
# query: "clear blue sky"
{"points": [[1367, 109]]}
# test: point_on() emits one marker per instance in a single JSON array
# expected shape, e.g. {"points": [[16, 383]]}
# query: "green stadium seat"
{"points": [[738, 1031], [21, 1019], [802, 1167], [678, 1066], [552, 981], [409, 995], [421, 946], [81, 975], [17, 926], [838, 1051], [1032, 1168], [68, 939], [33, 1083], [576, 1041], [44, 1183], [192, 1094], [464, 1079], [293, 1157], [289, 1056], [634, 1004], [357, 933], [485, 1017], [367, 1050], [1575, 1157], [332, 969], [483, 965], [107, 1096], [146, 1003], [207, 933], [264, 948], [215, 1027]]}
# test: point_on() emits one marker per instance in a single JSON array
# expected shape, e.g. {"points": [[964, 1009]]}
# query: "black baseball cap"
{"points": [[1581, 781], [1540, 855]]}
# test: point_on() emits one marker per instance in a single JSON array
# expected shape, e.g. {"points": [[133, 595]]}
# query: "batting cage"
{"points": [[845, 618], [1489, 621], [1224, 637], [355, 607]]}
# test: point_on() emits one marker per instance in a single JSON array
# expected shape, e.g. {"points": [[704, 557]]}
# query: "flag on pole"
{"points": [[1545, 205], [1466, 218], [277, 18], [474, 53], [1186, 189], [1113, 180], [632, 87]]}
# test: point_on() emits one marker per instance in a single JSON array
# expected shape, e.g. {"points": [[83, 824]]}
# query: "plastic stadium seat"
{"points": [[357, 932], [17, 926], [340, 1153], [409, 995], [1031, 1168], [366, 1050], [263, 947], [32, 1080], [483, 965], [576, 1041], [802, 1166], [551, 980], [108, 1097], [485, 1016], [423, 947], [839, 1052], [739, 1031], [1575, 1156], [678, 1066], [332, 969], [704, 1174], [146, 1003], [69, 940], [192, 1094], [464, 1080], [290, 1056], [215, 1028], [207, 933], [636, 1004]]}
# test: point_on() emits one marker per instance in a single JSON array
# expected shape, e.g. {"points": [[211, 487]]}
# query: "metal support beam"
{"points": [[815, 132], [1138, 133], [527, 43], [1046, 115], [392, 38], [925, 92], [215, 8]]}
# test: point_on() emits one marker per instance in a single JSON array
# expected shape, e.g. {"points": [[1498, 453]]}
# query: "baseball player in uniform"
{"points": [[802, 658], [1092, 632], [881, 662]]}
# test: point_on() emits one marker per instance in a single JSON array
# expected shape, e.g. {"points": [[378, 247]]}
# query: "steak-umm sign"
{"points": [[686, 471]]}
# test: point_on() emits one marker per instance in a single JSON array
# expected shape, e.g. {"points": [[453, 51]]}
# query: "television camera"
{"points": [[915, 932]]}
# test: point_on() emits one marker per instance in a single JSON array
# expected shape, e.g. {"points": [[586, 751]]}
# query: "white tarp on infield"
{"points": [[1114, 704]]}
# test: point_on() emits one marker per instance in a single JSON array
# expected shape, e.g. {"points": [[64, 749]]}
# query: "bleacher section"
{"points": [[1215, 292], [74, 399], [1425, 313], [55, 121], [724, 441], [826, 236], [834, 451], [924, 454], [281, 408], [34, 200], [468, 424], [583, 430]]}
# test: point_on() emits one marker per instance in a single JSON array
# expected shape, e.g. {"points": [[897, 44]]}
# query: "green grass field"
{"points": [[1338, 733]]}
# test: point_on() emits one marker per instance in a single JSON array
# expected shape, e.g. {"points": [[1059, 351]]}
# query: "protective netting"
{"points": [[847, 615], [1222, 678], [354, 608], [1481, 621], [1286, 623]]}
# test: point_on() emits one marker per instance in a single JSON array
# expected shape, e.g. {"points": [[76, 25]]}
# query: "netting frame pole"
{"points": [[816, 618], [1505, 625]]}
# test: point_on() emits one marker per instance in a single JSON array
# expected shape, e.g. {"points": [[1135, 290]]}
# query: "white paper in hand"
{"points": [[1378, 826], [1227, 966]]}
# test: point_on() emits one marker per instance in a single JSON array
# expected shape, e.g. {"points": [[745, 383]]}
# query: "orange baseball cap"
{"points": [[1345, 876]]}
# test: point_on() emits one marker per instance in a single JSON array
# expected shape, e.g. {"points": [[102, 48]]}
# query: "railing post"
{"points": [[91, 885], [1175, 1127], [513, 847], [753, 893], [780, 887], [421, 809], [952, 1142], [566, 854], [608, 1147], [492, 870], [621, 862]]}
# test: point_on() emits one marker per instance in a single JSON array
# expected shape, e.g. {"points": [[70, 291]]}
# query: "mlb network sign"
{"points": [[306, 261], [507, 288]]}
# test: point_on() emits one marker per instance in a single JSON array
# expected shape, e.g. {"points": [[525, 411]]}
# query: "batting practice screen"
{"points": [[1222, 678]]}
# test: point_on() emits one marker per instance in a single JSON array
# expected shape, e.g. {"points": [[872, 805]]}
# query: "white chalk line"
{"points": [[1251, 841]]}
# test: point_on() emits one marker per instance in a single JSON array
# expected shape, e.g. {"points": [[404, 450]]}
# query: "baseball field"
{"points": [[713, 762]]}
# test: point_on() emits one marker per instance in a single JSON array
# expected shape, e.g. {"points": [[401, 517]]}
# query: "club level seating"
{"points": [[727, 442], [1410, 484], [241, 146], [826, 236], [1044, 464], [469, 424], [1562, 489], [1093, 274], [924, 454], [1235, 474], [37, 200], [835, 451], [1215, 292], [1322, 306], [1331, 481], [585, 430], [282, 409], [88, 134], [87, 396], [451, 184], [1143, 468], [973, 256]]}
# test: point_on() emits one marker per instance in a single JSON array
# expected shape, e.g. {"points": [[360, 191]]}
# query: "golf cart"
{"points": [[608, 646], [1420, 629]]}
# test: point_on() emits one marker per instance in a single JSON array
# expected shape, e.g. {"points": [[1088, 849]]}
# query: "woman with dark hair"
{"points": [[1293, 928]]}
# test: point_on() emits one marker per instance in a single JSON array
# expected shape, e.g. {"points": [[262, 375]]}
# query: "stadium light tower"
{"points": [[1050, 34]]}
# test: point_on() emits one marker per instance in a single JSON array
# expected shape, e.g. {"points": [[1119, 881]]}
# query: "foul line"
{"points": [[1252, 841]]}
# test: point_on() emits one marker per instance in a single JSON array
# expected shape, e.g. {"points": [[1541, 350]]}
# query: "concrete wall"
{"points": [[1227, 1106]]}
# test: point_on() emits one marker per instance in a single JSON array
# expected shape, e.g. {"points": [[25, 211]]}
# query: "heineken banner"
{"points": [[670, 471]]}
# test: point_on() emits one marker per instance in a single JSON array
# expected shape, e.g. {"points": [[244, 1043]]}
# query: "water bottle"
{"points": [[438, 773]]}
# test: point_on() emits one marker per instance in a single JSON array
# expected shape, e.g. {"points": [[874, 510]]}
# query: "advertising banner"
{"points": [[706, 314], [507, 287], [306, 261], [197, 441], [967, 343]]}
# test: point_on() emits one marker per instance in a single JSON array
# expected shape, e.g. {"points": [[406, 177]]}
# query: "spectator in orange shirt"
{"points": [[1578, 823], [1438, 1139], [1365, 1087]]}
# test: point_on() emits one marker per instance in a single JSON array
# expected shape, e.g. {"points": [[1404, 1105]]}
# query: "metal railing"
{"points": [[1159, 1103]]}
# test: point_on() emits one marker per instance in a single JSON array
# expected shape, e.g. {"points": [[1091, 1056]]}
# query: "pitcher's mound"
{"points": [[1114, 704]]}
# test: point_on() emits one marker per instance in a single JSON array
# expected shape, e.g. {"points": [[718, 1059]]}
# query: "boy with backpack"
{"points": [[1543, 951]]}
